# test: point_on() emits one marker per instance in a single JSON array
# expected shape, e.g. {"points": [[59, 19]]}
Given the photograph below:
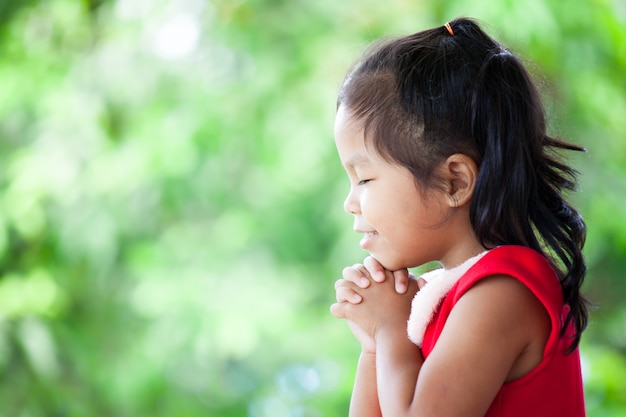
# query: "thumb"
{"points": [[421, 282], [338, 310], [401, 278]]}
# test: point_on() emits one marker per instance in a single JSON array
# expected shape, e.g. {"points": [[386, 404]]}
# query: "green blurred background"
{"points": [[171, 219]]}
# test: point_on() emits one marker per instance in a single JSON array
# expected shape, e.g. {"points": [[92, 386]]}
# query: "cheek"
{"points": [[372, 206]]}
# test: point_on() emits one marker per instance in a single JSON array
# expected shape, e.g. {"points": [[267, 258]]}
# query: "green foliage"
{"points": [[170, 197]]}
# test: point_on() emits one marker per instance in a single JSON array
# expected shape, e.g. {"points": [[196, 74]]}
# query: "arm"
{"points": [[364, 400], [496, 332]]}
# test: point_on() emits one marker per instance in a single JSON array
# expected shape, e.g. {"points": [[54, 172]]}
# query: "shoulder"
{"points": [[515, 289], [502, 318], [501, 303], [515, 261], [530, 268], [495, 333]]}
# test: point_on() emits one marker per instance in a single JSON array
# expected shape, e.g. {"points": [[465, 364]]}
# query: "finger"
{"points": [[401, 278], [345, 294], [375, 269], [340, 283], [356, 274], [338, 310], [347, 291], [420, 283]]}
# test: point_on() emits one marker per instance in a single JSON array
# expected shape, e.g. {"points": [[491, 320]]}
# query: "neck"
{"points": [[464, 244]]}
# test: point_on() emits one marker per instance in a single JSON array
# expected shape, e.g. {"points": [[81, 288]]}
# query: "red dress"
{"points": [[554, 388]]}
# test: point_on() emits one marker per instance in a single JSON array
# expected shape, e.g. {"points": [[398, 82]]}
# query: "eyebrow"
{"points": [[357, 160]]}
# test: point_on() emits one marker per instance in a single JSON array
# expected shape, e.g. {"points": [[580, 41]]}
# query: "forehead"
{"points": [[346, 123], [350, 138]]}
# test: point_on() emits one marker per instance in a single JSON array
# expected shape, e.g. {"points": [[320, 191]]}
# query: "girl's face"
{"points": [[402, 226]]}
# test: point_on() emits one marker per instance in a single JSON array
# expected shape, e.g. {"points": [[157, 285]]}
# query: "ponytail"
{"points": [[518, 197]]}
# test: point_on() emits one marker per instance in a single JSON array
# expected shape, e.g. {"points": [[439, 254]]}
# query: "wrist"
{"points": [[391, 329], [368, 358], [368, 350]]}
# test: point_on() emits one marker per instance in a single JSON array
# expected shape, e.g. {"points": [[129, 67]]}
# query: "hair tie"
{"points": [[449, 28]]}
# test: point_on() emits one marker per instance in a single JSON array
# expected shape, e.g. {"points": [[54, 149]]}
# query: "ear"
{"points": [[459, 173]]}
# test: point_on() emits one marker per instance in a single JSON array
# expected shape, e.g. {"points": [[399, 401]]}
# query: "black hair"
{"points": [[426, 96]]}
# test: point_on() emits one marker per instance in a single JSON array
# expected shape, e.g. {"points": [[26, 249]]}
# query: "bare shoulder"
{"points": [[498, 291], [503, 303], [507, 313], [495, 333]]}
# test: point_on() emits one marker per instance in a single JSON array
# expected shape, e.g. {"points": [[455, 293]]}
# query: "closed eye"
{"points": [[363, 182]]}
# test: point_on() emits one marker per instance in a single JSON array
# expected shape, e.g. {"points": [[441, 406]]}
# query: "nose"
{"points": [[351, 203]]}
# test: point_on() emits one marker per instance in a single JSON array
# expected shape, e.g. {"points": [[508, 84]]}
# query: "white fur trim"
{"points": [[427, 300]]}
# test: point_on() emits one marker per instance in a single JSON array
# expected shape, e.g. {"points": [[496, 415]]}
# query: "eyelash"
{"points": [[363, 182]]}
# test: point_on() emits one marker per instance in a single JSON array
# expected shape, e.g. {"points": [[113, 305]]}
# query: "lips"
{"points": [[367, 239]]}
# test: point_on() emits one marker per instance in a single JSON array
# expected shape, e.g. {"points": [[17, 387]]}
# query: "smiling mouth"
{"points": [[367, 238]]}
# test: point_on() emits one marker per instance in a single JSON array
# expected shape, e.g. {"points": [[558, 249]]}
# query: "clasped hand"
{"points": [[370, 297]]}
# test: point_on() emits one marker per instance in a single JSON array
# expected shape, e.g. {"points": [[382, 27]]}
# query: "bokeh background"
{"points": [[171, 219]]}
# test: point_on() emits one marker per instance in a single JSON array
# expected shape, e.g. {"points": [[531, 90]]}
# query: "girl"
{"points": [[443, 137]]}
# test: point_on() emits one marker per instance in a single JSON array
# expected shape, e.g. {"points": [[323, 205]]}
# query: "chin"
{"points": [[394, 264], [391, 264]]}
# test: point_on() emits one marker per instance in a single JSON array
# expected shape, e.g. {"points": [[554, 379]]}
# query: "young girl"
{"points": [[443, 137]]}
